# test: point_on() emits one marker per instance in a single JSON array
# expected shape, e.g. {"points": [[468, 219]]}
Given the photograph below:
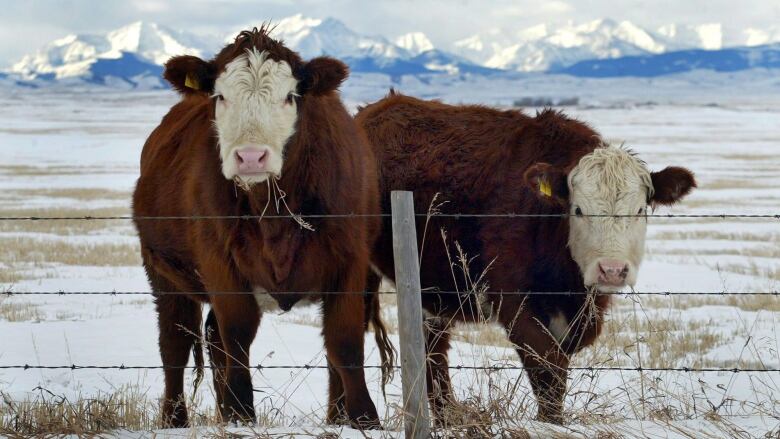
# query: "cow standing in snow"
{"points": [[258, 131], [485, 161]]}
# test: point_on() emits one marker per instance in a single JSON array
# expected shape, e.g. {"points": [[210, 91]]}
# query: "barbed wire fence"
{"points": [[416, 426]]}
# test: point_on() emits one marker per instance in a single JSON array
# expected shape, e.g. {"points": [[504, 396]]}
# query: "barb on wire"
{"points": [[299, 293], [454, 367]]}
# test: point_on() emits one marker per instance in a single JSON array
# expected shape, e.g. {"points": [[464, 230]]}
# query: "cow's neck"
{"points": [[559, 272]]}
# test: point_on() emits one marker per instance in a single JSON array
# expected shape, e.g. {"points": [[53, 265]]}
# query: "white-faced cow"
{"points": [[259, 131], [584, 233]]}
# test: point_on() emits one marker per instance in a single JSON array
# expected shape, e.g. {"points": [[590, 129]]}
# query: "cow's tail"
{"points": [[387, 352], [197, 355]]}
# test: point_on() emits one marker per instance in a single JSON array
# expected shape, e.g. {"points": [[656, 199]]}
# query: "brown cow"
{"points": [[486, 161], [259, 131]]}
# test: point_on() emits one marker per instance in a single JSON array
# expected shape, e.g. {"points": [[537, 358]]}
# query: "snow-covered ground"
{"points": [[78, 153]]}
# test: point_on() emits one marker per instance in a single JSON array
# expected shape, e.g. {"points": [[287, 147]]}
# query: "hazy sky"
{"points": [[26, 25]]}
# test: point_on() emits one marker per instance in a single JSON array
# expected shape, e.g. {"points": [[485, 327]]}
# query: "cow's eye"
{"points": [[290, 98], [219, 97], [578, 211]]}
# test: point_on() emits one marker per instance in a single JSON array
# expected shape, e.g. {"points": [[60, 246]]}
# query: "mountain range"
{"points": [[133, 54]]}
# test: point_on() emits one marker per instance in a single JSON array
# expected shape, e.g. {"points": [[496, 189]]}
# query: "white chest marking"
{"points": [[264, 300], [559, 326]]}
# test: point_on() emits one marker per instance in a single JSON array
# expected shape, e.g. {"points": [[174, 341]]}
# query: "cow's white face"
{"points": [[255, 100], [608, 250], [255, 116], [615, 186]]}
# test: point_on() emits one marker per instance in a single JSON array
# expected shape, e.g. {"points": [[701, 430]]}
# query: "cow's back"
{"points": [[431, 147]]}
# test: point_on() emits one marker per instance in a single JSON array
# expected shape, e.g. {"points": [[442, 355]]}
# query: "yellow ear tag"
{"points": [[191, 82], [545, 188]]}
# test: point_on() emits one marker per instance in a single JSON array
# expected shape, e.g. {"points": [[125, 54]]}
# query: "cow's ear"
{"points": [[322, 75], [548, 183], [190, 74], [671, 185]]}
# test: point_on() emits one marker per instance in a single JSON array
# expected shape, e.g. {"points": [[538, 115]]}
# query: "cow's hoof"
{"points": [[337, 419], [175, 416], [550, 418], [366, 423], [239, 418]]}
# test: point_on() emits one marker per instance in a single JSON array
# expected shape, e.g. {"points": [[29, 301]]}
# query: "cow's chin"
{"points": [[593, 284], [247, 181]]}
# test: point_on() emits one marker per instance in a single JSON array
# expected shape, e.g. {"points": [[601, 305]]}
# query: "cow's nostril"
{"points": [[239, 158]]}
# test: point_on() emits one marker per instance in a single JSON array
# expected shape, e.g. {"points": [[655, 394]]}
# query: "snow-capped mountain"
{"points": [[133, 55], [552, 47], [140, 47], [313, 37], [544, 47]]}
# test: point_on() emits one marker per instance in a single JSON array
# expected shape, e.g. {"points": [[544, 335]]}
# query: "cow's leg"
{"points": [[337, 409], [238, 317], [544, 361], [217, 357], [437, 345], [179, 321], [343, 329]]}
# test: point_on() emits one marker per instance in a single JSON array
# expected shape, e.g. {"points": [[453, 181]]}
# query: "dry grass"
{"points": [[45, 171], [8, 275], [14, 311], [44, 252], [745, 302], [665, 341], [127, 408], [731, 183], [48, 414], [751, 269]]}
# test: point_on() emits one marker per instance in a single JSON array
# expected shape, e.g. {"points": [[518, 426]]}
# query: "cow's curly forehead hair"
{"points": [[259, 40], [614, 167]]}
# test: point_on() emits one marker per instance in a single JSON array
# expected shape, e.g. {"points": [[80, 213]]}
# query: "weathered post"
{"points": [[410, 320]]}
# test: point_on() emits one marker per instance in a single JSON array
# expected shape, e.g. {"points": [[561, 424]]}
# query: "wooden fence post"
{"points": [[410, 320]]}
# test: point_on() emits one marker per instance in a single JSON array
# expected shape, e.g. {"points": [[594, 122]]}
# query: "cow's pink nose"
{"points": [[251, 160], [612, 272]]}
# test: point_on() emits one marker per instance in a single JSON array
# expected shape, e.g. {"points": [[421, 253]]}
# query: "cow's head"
{"points": [[257, 85], [608, 181]]}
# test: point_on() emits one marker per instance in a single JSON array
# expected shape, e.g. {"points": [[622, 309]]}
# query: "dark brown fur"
{"points": [[328, 170], [479, 160]]}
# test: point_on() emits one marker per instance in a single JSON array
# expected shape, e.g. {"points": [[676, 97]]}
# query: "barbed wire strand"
{"points": [[307, 293], [455, 367], [385, 215]]}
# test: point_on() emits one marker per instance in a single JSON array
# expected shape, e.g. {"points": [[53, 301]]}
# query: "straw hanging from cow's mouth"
{"points": [[279, 196], [279, 199]]}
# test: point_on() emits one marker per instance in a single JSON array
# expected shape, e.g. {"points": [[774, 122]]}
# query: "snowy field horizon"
{"points": [[74, 149]]}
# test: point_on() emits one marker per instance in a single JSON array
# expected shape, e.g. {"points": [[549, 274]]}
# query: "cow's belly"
{"points": [[266, 303]]}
